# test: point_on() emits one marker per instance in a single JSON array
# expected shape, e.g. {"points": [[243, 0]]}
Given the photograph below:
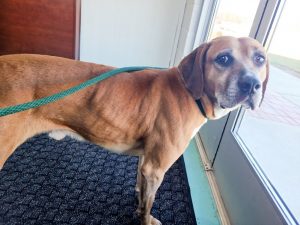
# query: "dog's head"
{"points": [[226, 73]]}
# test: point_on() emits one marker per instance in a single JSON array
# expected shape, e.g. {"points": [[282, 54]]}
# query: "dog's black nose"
{"points": [[249, 84]]}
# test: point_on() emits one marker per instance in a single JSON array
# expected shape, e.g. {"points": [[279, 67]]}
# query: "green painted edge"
{"points": [[203, 202]]}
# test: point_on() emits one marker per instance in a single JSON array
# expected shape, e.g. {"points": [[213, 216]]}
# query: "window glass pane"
{"points": [[272, 133], [234, 18]]}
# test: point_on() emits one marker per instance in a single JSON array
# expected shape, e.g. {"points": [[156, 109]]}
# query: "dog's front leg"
{"points": [[161, 150], [151, 178]]}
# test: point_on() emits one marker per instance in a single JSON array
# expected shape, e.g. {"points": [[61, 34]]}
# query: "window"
{"points": [[255, 154], [234, 18], [272, 134]]}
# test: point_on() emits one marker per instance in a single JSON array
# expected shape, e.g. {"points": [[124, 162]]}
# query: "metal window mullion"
{"points": [[206, 20], [266, 19]]}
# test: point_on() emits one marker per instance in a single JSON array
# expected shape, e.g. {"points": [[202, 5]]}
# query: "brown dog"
{"points": [[150, 113]]}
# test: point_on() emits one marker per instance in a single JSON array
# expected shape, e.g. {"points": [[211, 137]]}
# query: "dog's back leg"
{"points": [[14, 130], [6, 149], [10, 137]]}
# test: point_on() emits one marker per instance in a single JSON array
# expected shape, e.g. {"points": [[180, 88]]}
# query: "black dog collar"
{"points": [[201, 108]]}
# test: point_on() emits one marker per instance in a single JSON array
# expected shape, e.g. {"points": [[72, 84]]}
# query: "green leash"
{"points": [[52, 98]]}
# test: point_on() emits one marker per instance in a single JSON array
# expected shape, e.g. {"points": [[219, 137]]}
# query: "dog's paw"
{"points": [[155, 221]]}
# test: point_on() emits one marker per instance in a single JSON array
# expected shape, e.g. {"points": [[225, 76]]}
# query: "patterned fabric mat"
{"points": [[70, 182]]}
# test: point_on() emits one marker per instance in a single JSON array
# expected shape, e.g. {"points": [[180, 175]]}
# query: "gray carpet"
{"points": [[70, 182]]}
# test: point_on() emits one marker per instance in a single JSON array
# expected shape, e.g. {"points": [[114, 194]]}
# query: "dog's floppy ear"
{"points": [[192, 70], [264, 86]]}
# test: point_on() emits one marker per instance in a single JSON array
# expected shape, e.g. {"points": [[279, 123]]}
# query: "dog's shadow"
{"points": [[70, 182]]}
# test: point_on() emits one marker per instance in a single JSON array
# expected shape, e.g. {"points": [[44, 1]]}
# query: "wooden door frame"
{"points": [[77, 29]]}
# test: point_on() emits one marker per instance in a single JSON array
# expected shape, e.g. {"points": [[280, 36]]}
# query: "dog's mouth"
{"points": [[244, 100], [249, 104]]}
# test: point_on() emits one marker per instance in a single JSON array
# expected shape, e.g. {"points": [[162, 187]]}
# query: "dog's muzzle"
{"points": [[245, 91], [249, 86]]}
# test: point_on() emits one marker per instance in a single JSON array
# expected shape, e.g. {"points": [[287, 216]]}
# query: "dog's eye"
{"points": [[224, 60], [259, 59]]}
